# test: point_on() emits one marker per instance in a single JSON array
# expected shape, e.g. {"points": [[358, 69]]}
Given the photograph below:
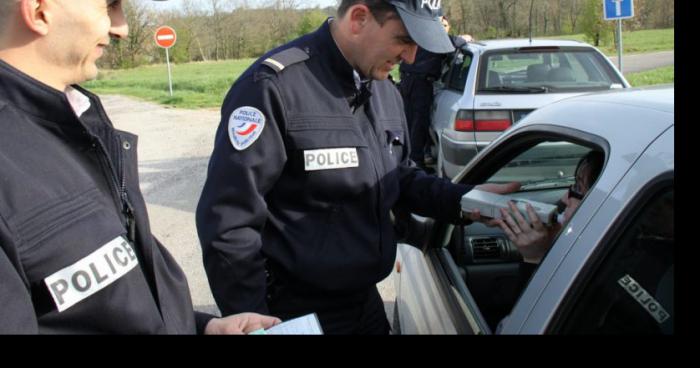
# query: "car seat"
{"points": [[493, 79], [537, 72], [561, 74]]}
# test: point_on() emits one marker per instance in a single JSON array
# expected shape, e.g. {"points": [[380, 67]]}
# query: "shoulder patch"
{"points": [[245, 125], [285, 58]]}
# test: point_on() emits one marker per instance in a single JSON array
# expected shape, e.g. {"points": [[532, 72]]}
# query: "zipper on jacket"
{"points": [[121, 200], [128, 209], [375, 145]]}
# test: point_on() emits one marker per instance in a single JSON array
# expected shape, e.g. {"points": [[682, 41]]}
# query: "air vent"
{"points": [[486, 248]]}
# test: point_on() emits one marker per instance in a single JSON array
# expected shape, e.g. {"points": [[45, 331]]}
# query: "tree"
{"points": [[596, 30], [311, 20], [574, 14], [130, 52]]}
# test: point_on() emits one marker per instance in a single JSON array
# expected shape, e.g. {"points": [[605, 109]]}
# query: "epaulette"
{"points": [[285, 58]]}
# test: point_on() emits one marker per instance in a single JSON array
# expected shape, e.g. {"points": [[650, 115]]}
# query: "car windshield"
{"points": [[545, 166], [545, 71]]}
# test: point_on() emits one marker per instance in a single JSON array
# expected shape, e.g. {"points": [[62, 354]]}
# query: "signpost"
{"points": [[165, 37], [618, 9]]}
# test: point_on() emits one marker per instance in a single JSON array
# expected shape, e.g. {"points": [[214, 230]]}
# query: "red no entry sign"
{"points": [[165, 37]]}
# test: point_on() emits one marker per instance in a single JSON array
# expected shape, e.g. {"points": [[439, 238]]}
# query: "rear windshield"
{"points": [[558, 70]]}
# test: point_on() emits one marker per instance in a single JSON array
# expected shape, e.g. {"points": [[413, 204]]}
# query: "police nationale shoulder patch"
{"points": [[245, 125]]}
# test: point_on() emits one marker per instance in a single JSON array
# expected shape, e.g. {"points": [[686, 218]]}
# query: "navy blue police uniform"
{"points": [[76, 251], [416, 86], [308, 161]]}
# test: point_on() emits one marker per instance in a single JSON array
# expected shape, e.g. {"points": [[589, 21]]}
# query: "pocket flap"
{"points": [[325, 138]]}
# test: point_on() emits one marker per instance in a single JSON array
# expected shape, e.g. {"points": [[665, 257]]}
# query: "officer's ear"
{"points": [[359, 16], [37, 15]]}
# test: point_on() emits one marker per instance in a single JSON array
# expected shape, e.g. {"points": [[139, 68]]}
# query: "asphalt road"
{"points": [[174, 146], [641, 62]]}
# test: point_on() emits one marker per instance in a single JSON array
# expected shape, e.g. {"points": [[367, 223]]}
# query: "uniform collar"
{"points": [[334, 57], [36, 98], [357, 89]]}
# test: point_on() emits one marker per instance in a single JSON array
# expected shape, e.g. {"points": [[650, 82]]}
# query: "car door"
{"points": [[450, 91], [435, 285], [606, 282], [436, 291]]}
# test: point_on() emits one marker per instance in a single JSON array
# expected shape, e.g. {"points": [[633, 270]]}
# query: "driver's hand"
{"points": [[475, 216]]}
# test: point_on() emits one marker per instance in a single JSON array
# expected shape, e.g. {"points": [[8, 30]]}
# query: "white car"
{"points": [[490, 85], [610, 268]]}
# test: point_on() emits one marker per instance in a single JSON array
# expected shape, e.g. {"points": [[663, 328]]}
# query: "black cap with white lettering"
{"points": [[422, 21]]}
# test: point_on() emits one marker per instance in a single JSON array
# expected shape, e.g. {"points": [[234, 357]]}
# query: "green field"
{"points": [[195, 85], [204, 84], [636, 42], [651, 77]]}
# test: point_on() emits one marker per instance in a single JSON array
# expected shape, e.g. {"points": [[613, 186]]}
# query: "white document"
{"points": [[305, 325], [489, 205]]}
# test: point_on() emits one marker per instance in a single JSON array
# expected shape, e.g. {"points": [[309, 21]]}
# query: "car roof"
{"points": [[655, 98], [624, 117], [524, 42]]}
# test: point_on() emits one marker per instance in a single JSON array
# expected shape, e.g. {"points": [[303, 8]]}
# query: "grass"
{"points": [[195, 85], [636, 42], [651, 77], [204, 84]]}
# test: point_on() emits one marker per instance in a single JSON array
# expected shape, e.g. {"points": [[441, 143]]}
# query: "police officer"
{"points": [[310, 157], [416, 88], [76, 251]]}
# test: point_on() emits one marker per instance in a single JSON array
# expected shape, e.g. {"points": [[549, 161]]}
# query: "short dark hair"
{"points": [[381, 10]]}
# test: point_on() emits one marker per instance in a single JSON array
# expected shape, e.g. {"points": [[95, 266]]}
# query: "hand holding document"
{"points": [[305, 325]]}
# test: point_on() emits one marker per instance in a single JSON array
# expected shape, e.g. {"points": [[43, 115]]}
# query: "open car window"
{"points": [[457, 71], [488, 263], [547, 165]]}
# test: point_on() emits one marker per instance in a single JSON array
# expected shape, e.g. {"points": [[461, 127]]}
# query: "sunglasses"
{"points": [[574, 192]]}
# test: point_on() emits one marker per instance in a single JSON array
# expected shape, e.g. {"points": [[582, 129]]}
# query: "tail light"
{"points": [[483, 121], [464, 122]]}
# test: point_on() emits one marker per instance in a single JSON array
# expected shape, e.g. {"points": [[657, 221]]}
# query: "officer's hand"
{"points": [[499, 188], [239, 324]]}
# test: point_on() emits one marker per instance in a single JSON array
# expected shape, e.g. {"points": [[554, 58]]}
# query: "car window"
{"points": [[631, 291], [546, 165], [456, 76], [490, 265], [559, 70]]}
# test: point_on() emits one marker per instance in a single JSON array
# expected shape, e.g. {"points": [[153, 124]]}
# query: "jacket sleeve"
{"points": [[201, 320], [427, 195], [17, 316], [232, 210], [430, 196]]}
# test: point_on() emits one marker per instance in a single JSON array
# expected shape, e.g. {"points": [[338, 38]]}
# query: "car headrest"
{"points": [[561, 74]]}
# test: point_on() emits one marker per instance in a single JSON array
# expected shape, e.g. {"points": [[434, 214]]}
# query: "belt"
{"points": [[278, 279]]}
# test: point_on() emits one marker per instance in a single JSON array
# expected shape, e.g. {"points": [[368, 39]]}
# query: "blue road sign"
{"points": [[618, 9]]}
